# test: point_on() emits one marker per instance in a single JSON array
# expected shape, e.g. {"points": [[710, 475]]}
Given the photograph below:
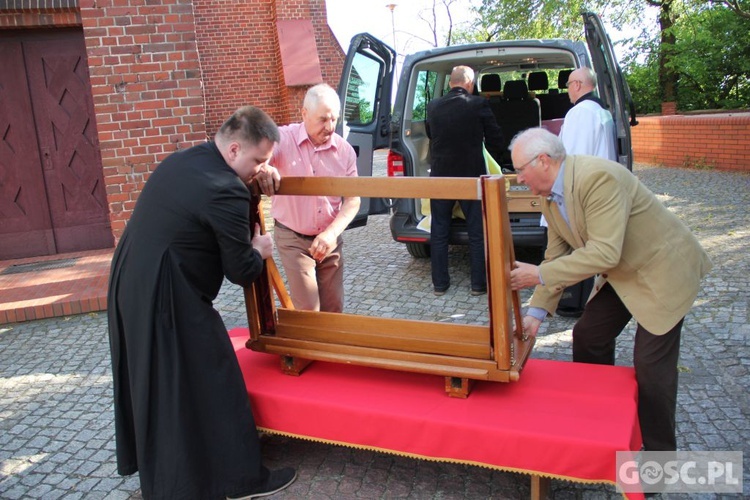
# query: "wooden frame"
{"points": [[460, 353]]}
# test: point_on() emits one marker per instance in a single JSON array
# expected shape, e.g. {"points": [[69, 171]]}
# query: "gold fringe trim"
{"points": [[434, 459]]}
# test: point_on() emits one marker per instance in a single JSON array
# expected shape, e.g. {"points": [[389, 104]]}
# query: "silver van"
{"points": [[524, 81]]}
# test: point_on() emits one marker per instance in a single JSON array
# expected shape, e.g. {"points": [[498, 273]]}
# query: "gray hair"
{"points": [[248, 124], [461, 75], [536, 141], [322, 93], [589, 76]]}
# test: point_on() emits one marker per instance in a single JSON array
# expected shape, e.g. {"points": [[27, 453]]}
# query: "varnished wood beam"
{"points": [[455, 188]]}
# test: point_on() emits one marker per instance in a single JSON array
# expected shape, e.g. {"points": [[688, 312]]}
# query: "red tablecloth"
{"points": [[561, 420]]}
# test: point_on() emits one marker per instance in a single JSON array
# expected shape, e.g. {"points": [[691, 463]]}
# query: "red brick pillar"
{"points": [[668, 108]]}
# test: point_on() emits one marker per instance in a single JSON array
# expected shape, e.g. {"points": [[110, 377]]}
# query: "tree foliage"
{"points": [[696, 53], [641, 69], [530, 19], [710, 58], [739, 7]]}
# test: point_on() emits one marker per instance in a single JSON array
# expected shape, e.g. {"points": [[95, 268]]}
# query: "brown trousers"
{"points": [[313, 286], [654, 358]]}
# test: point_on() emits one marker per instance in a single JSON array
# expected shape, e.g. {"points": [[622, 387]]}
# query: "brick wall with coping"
{"points": [[720, 140]]}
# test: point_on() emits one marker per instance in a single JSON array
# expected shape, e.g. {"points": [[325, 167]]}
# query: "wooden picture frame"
{"points": [[460, 353]]}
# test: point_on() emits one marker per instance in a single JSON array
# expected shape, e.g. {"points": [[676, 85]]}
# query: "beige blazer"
{"points": [[621, 232]]}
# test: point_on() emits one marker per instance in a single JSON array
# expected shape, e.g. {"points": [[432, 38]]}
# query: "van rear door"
{"points": [[365, 92], [613, 89]]}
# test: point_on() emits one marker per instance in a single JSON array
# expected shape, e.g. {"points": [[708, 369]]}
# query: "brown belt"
{"points": [[276, 223]]}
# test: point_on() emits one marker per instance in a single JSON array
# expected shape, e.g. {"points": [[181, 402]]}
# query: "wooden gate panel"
{"points": [[65, 122], [25, 225]]}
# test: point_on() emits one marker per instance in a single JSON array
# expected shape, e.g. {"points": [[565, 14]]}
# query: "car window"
{"points": [[423, 94], [361, 91]]}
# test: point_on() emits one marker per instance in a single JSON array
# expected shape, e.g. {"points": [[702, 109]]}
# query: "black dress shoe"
{"points": [[277, 480], [478, 291]]}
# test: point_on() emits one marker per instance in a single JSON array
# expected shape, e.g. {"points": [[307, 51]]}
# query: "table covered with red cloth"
{"points": [[561, 420]]}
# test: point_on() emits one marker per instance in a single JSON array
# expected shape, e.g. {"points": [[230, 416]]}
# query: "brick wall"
{"points": [[241, 60], [239, 55], [700, 141], [329, 52], [35, 14], [165, 75], [146, 85]]}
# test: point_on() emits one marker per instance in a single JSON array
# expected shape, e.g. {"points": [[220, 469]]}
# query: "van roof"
{"points": [[506, 55]]}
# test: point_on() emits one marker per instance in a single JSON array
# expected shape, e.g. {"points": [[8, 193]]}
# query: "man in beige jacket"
{"points": [[604, 222]]}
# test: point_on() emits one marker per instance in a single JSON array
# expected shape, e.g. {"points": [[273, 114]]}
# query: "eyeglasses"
{"points": [[519, 170], [567, 85]]}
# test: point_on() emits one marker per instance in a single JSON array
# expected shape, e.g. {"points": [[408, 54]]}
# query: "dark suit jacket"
{"points": [[457, 124]]}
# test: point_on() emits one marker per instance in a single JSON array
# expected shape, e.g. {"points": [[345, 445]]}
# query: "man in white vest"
{"points": [[588, 129]]}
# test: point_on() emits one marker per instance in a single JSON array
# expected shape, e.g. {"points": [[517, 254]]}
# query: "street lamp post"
{"points": [[392, 6]]}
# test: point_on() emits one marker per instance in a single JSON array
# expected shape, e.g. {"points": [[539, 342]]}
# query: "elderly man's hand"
{"points": [[524, 275], [269, 180], [530, 327], [323, 244]]}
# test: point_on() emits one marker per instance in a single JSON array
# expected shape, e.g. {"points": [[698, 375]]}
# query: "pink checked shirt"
{"points": [[296, 156]]}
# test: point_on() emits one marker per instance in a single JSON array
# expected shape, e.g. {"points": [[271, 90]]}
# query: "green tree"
{"points": [[431, 18], [710, 58], [739, 7], [697, 54], [712, 55], [669, 73], [641, 70], [529, 19]]}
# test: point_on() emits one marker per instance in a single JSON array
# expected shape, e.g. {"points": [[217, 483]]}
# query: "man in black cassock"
{"points": [[182, 413]]}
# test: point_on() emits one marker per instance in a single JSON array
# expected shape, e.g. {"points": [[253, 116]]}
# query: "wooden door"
{"points": [[60, 144], [25, 225], [68, 142]]}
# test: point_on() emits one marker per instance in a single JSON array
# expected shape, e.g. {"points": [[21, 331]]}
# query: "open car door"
{"points": [[365, 93], [613, 89]]}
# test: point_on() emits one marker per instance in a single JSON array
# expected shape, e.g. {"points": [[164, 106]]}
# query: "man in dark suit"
{"points": [[457, 125]]}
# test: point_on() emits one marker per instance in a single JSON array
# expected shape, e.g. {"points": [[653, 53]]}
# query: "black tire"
{"points": [[418, 250]]}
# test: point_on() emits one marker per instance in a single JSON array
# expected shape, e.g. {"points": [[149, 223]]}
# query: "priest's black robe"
{"points": [[182, 415]]}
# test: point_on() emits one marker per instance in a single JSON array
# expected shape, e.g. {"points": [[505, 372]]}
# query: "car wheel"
{"points": [[418, 250]]}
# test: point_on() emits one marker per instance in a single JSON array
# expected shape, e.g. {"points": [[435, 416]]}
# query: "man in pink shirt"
{"points": [[308, 229]]}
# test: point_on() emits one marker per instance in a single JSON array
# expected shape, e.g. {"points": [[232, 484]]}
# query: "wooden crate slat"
{"points": [[388, 340], [371, 324], [455, 188], [449, 366], [498, 271]]}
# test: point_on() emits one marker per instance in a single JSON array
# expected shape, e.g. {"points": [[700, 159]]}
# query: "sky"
{"points": [[350, 17]]}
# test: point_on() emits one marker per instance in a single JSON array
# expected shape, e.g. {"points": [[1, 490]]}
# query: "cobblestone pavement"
{"points": [[56, 427]]}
